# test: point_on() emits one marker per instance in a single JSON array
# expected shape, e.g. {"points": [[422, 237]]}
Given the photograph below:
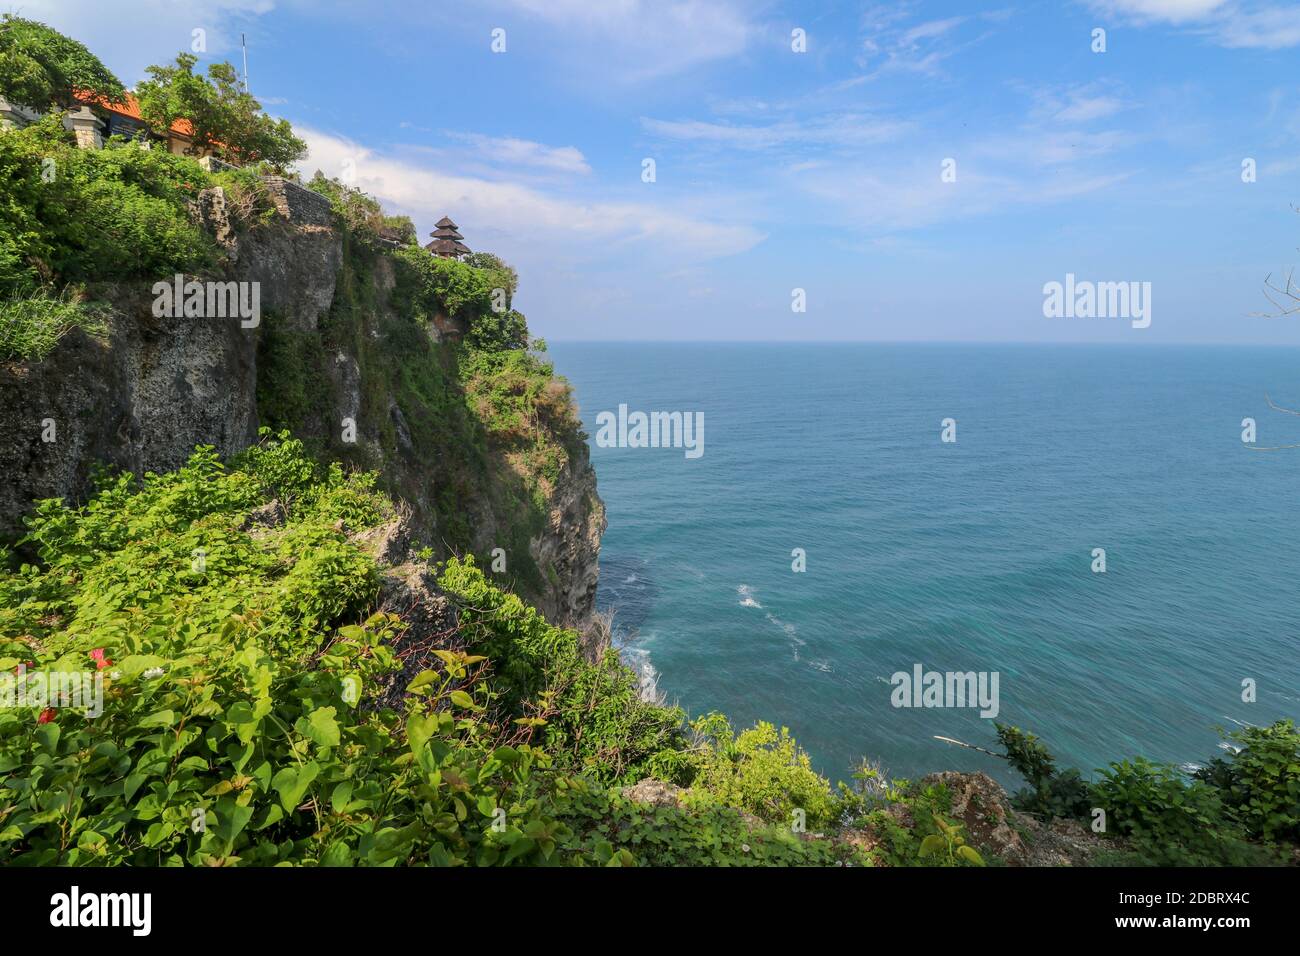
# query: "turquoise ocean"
{"points": [[968, 556]]}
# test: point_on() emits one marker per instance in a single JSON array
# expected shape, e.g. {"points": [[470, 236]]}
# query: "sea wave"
{"points": [[638, 660]]}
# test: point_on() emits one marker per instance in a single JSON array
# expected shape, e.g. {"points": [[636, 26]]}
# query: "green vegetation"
{"points": [[761, 771], [1241, 809], [244, 670], [225, 118], [260, 703], [40, 68], [74, 215], [441, 371], [361, 215], [31, 327], [73, 219]]}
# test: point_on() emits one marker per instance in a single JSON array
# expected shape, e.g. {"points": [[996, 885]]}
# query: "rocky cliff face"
{"points": [[143, 397]]}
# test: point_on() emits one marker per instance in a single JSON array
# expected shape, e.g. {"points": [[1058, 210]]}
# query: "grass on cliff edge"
{"points": [[31, 327]]}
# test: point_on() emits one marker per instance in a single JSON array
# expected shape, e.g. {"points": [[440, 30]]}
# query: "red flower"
{"points": [[46, 715], [97, 655]]}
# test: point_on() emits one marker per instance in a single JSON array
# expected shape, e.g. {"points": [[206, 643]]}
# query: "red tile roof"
{"points": [[130, 107]]}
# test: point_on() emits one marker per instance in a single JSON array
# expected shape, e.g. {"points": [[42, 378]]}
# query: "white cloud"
{"points": [[1082, 109], [922, 48], [1270, 28], [509, 151], [1076, 104], [523, 218], [849, 129], [1250, 24], [645, 38], [1168, 11], [930, 29], [912, 196]]}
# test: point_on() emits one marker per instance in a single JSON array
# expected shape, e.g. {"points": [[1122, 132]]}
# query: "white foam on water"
{"points": [[1239, 723], [647, 678]]}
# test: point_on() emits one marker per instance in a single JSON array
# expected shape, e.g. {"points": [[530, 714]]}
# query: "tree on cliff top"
{"points": [[226, 119], [40, 67]]}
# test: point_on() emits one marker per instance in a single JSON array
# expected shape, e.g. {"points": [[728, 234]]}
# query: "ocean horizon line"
{"points": [[936, 342]]}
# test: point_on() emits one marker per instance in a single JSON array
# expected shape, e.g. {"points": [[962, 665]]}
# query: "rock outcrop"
{"points": [[143, 397]]}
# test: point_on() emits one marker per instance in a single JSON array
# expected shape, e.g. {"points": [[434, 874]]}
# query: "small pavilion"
{"points": [[447, 242]]}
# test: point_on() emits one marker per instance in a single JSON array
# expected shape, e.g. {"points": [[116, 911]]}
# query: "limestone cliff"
{"points": [[334, 348]]}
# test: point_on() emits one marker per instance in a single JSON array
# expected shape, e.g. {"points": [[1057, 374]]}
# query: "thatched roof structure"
{"points": [[446, 242]]}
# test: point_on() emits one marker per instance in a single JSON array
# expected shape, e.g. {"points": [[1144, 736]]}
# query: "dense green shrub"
{"points": [[589, 715], [236, 726], [362, 215], [1166, 817], [600, 820], [909, 823], [74, 215], [1051, 793], [1260, 780], [243, 667], [479, 296], [761, 770], [1170, 820]]}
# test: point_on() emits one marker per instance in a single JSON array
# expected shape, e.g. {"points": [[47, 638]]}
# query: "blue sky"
{"points": [[778, 170]]}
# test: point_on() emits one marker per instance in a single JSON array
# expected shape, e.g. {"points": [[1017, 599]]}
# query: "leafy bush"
{"points": [[909, 823], [362, 215], [590, 716], [244, 717], [1169, 820], [1260, 780], [239, 724], [1050, 793], [73, 215], [479, 296], [600, 821], [762, 771]]}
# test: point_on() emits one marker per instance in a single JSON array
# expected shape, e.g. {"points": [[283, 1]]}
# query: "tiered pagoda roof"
{"points": [[446, 242]]}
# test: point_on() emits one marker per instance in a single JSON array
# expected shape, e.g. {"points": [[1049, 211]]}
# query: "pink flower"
{"points": [[97, 655], [46, 715]]}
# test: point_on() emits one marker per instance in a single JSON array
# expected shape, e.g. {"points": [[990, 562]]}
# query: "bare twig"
{"points": [[949, 740], [1289, 291]]}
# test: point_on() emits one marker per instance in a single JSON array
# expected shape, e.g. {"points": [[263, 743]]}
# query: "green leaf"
{"points": [[969, 853], [161, 718], [422, 680], [320, 727], [134, 664], [932, 844], [341, 795], [291, 784], [419, 728], [338, 854]]}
